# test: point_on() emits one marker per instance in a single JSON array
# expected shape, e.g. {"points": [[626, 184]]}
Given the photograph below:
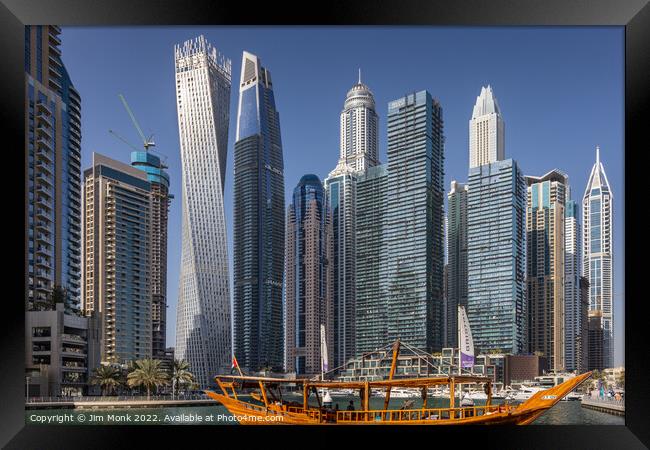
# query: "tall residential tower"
{"points": [[358, 153], [52, 173], [486, 130], [258, 223], [545, 289], [203, 105], [413, 238], [597, 254], [117, 257], [457, 259], [160, 198], [308, 277]]}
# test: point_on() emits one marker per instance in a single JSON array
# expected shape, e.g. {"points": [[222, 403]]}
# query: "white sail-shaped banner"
{"points": [[323, 349], [465, 341]]}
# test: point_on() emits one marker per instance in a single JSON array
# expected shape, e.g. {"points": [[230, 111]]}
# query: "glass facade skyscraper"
{"points": [[457, 259], [308, 277], [358, 153], [117, 257], [258, 223], [496, 257], [203, 314], [52, 173], [413, 239], [597, 254], [545, 270], [371, 330], [575, 346]]}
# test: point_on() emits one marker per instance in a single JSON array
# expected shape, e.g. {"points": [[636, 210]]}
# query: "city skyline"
{"points": [[518, 146]]}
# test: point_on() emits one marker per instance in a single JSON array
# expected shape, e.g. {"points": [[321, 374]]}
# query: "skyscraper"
{"points": [[308, 277], [413, 238], [371, 329], [457, 258], [545, 270], [117, 257], [496, 257], [52, 173], [358, 153], [575, 339], [486, 130], [597, 253], [160, 198], [258, 223], [203, 105]]}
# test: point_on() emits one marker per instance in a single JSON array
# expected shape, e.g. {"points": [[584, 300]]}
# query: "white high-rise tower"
{"points": [[597, 253], [358, 152], [203, 105], [359, 135], [486, 131]]}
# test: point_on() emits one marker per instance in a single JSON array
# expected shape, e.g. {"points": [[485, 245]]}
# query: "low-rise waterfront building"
{"points": [[62, 352]]}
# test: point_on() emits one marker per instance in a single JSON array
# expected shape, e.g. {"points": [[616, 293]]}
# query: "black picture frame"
{"points": [[634, 15]]}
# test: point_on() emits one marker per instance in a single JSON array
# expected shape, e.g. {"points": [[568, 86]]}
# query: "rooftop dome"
{"points": [[309, 179], [359, 95]]}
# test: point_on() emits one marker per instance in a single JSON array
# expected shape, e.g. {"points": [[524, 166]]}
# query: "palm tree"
{"points": [[180, 374], [107, 377], [147, 373]]}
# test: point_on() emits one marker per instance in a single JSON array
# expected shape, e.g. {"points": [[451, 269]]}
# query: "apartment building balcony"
{"points": [[72, 338], [74, 368], [43, 154], [44, 116], [54, 45], [43, 107], [44, 181], [43, 168], [41, 262], [73, 352], [54, 83], [53, 35], [54, 72]]}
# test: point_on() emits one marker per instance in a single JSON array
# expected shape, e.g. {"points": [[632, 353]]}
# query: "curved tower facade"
{"points": [[203, 105], [258, 223]]}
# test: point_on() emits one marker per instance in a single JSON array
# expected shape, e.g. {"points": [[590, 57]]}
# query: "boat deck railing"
{"points": [[417, 414], [391, 415]]}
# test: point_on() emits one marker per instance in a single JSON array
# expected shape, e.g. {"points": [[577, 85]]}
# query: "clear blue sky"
{"points": [[561, 92]]}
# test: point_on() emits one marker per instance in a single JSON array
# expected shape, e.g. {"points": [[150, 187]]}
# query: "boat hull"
{"points": [[286, 414]]}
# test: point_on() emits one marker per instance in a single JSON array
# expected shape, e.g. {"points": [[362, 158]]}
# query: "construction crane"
{"points": [[124, 140], [147, 142]]}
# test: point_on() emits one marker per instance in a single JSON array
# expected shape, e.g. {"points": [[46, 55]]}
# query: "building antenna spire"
{"points": [[359, 75], [597, 155]]}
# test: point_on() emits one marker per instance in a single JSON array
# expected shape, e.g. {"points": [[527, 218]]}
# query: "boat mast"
{"points": [[392, 371]]}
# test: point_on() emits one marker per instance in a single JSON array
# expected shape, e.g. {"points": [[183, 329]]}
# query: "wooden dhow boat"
{"points": [[266, 404]]}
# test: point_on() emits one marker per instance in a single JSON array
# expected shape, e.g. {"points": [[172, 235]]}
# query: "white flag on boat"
{"points": [[465, 342], [323, 349]]}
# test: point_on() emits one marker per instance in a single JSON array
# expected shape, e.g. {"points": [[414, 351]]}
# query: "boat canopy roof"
{"points": [[400, 382]]}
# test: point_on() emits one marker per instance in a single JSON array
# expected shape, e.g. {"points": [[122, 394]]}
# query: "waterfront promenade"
{"points": [[607, 405], [115, 402]]}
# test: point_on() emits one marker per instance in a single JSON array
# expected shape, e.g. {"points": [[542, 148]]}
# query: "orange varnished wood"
{"points": [[248, 413]]}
